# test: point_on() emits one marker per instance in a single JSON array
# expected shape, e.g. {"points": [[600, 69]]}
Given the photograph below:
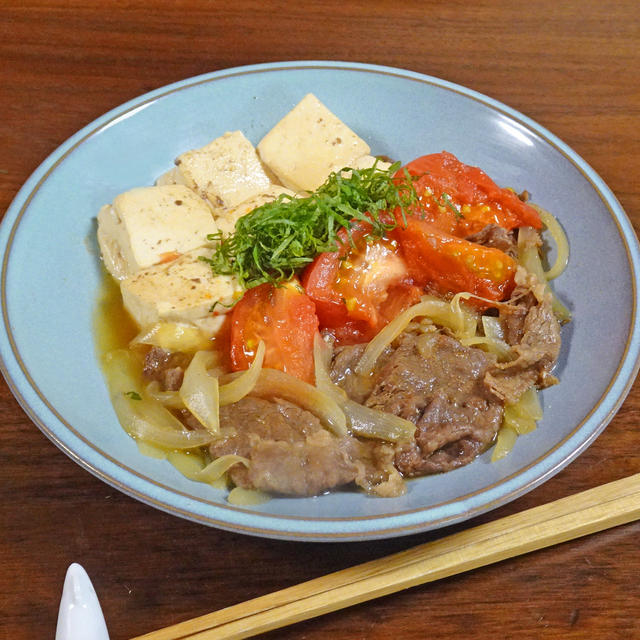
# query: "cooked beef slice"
{"points": [[438, 384], [497, 237], [342, 371], [512, 320], [377, 473], [165, 367], [513, 314], [533, 331], [291, 453], [536, 354]]}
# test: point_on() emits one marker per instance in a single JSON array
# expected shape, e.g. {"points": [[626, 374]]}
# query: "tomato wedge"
{"points": [[446, 264], [461, 200], [284, 317], [360, 287]]}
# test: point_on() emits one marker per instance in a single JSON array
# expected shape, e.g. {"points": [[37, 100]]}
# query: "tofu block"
{"points": [[226, 220], [364, 162], [149, 225], [304, 147], [183, 290], [225, 172], [172, 176]]}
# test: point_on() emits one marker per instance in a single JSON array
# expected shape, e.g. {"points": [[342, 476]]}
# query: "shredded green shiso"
{"points": [[273, 242]]}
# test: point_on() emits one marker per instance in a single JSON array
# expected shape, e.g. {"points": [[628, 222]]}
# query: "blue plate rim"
{"points": [[279, 526]]}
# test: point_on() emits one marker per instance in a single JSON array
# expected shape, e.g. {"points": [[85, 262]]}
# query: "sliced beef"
{"points": [[165, 367], [532, 329], [512, 319], [438, 384], [290, 452], [376, 473], [497, 237], [342, 371], [536, 355]]}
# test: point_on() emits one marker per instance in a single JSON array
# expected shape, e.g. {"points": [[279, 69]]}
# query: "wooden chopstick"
{"points": [[578, 515]]}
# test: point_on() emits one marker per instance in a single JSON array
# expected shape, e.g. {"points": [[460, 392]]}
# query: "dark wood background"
{"points": [[572, 66]]}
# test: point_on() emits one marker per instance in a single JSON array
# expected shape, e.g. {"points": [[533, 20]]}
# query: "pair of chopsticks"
{"points": [[594, 510]]}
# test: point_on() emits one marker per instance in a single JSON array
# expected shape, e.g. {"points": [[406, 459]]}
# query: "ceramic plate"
{"points": [[51, 278]]}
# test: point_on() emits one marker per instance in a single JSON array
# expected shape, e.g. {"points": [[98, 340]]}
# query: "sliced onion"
{"points": [[373, 423], [465, 317], [560, 239], [493, 339], [151, 450], [123, 371], [529, 258], [504, 443], [498, 347], [241, 386], [218, 467], [528, 254], [519, 418], [439, 311], [528, 405], [199, 391], [321, 359], [150, 422], [172, 336], [492, 328], [169, 399], [247, 497], [519, 423], [191, 465], [142, 417], [188, 463], [363, 421], [273, 383]]}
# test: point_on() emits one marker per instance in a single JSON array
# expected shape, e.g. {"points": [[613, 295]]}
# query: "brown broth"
{"points": [[113, 326]]}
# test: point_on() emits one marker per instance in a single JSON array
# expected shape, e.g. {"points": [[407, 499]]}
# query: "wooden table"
{"points": [[572, 66]]}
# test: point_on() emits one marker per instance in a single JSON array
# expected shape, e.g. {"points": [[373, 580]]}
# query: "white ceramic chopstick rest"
{"points": [[80, 616]]}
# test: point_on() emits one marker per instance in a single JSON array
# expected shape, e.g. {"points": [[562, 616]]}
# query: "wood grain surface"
{"points": [[572, 66]]}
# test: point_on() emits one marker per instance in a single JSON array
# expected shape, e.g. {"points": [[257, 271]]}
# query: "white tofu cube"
{"points": [[225, 172], [149, 225], [226, 220], [172, 176], [306, 145], [364, 162], [180, 291]]}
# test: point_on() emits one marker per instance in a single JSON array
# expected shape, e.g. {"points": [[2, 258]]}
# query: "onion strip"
{"points": [[493, 339], [560, 239], [199, 391], [172, 336], [169, 399], [241, 386], [140, 415], [447, 314], [519, 418], [247, 497], [504, 443], [363, 421], [529, 258], [492, 345], [273, 383], [218, 467], [156, 425]]}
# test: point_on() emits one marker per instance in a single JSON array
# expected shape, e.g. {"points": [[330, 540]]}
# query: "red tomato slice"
{"points": [[357, 290], [461, 200], [285, 319], [447, 264]]}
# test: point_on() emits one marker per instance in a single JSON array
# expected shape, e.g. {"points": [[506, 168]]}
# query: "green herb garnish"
{"points": [[445, 201], [219, 302], [134, 395], [274, 241]]}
